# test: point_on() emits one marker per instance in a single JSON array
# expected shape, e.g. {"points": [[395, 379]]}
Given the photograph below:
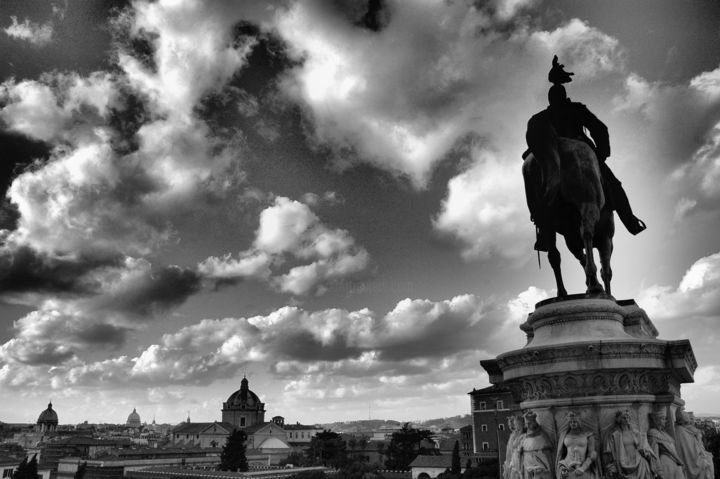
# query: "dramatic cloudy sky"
{"points": [[326, 196]]}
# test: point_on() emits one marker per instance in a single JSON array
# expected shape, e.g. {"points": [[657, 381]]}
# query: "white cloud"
{"points": [[194, 51], [28, 31], [62, 106], [402, 98], [691, 146], [289, 229], [417, 341], [485, 209], [697, 295], [252, 264]]}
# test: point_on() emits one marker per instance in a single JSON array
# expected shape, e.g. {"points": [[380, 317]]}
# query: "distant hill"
{"points": [[366, 425], [370, 425], [455, 422]]}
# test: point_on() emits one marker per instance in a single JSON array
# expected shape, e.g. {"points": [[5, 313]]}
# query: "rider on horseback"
{"points": [[569, 119]]}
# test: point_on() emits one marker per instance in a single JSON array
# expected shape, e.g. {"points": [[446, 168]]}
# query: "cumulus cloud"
{"points": [[400, 347], [485, 209], [89, 215], [92, 305], [290, 229], [696, 296], [60, 107], [689, 147], [435, 76], [36, 34], [403, 97]]}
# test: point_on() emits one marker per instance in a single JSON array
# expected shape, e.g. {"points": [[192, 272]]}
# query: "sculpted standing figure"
{"points": [[577, 454], [688, 440], [535, 451], [512, 466], [663, 445], [626, 451]]}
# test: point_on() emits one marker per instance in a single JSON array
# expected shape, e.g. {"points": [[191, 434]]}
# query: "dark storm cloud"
{"points": [[151, 293], [24, 270], [41, 354], [18, 151], [376, 17], [103, 334], [303, 346]]}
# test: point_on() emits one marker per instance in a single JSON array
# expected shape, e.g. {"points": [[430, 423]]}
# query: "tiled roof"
{"points": [[90, 441], [9, 460], [191, 427], [490, 389], [256, 427], [442, 461]]}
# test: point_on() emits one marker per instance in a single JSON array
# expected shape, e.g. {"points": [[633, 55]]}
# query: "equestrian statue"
{"points": [[569, 187]]}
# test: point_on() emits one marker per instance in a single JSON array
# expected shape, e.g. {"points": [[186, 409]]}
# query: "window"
{"points": [[7, 472], [486, 446], [501, 427], [242, 421], [483, 428], [483, 405], [500, 405]]}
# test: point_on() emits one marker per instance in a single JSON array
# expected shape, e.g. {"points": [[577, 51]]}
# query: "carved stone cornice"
{"points": [[583, 352]]}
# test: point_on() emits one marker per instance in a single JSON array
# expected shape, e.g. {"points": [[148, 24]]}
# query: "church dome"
{"points": [[133, 419], [243, 408], [244, 398], [48, 419]]}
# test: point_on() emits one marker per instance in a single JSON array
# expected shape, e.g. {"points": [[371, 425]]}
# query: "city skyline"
{"points": [[327, 197]]}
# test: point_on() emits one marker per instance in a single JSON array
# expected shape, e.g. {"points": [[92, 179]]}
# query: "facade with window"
{"points": [[300, 434], [490, 408]]}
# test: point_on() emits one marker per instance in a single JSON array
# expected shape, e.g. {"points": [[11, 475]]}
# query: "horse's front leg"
{"points": [[554, 260]]}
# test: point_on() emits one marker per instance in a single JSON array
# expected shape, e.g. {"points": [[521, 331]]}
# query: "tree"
{"points": [[455, 464], [27, 469], [294, 458], [80, 473], [232, 457], [405, 445], [327, 449]]}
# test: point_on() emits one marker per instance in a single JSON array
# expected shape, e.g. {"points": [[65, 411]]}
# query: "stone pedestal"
{"points": [[594, 356]]}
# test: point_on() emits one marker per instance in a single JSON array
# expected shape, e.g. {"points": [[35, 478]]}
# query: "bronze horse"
{"points": [[568, 192]]}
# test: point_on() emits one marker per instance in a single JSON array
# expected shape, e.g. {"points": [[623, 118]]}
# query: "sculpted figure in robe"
{"points": [[626, 451], [535, 451], [576, 454], [511, 467], [663, 445], [698, 462]]}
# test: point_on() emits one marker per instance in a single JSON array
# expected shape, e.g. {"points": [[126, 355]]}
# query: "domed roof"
{"points": [[133, 419], [48, 416], [244, 398]]}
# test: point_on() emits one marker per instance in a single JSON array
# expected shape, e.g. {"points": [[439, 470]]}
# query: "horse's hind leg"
{"points": [[590, 218], [605, 248], [554, 260]]}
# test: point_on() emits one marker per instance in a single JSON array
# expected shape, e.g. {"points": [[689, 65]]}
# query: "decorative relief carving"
{"points": [[579, 384]]}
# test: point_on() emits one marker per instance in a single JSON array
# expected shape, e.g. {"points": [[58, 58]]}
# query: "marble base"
{"points": [[593, 355]]}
